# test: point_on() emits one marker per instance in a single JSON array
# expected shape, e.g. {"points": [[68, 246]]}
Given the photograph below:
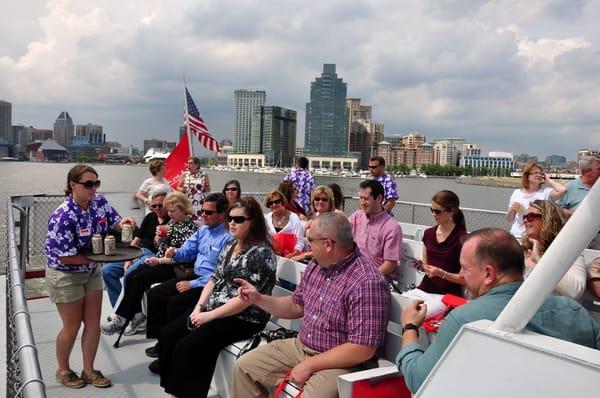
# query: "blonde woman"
{"points": [[535, 185], [155, 269]]}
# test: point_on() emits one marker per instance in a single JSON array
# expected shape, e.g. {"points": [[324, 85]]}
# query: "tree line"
{"points": [[450, 170]]}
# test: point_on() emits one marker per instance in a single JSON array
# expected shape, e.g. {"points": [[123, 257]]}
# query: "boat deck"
{"points": [[126, 366]]}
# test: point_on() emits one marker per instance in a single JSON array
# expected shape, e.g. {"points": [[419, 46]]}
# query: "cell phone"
{"points": [[418, 264]]}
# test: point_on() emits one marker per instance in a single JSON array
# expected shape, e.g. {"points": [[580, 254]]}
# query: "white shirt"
{"points": [[518, 229], [293, 226]]}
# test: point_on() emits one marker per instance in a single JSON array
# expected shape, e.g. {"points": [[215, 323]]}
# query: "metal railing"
{"points": [[24, 376]]}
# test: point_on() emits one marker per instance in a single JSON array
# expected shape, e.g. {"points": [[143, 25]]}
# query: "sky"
{"points": [[516, 76]]}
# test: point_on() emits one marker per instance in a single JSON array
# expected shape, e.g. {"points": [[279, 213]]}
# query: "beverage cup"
{"points": [[163, 231]]}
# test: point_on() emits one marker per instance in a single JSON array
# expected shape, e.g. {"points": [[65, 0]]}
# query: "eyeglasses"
{"points": [[311, 240], [529, 217], [437, 211], [89, 184], [232, 189], [273, 202], [238, 219], [208, 212], [538, 173], [156, 206], [320, 199]]}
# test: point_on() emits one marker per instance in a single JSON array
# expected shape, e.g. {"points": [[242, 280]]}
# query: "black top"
{"points": [[147, 231]]}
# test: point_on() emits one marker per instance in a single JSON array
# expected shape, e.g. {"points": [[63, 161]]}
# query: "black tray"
{"points": [[123, 252]]}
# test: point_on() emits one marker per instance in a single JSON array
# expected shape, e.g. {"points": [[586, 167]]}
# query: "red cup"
{"points": [[284, 243], [163, 231]]}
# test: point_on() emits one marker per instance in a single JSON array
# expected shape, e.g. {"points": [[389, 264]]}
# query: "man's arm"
{"points": [[281, 307], [389, 204], [388, 267]]}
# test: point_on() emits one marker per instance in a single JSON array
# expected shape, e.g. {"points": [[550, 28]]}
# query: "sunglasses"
{"points": [[157, 206], [529, 217], [437, 211], [238, 219], [318, 199], [273, 202], [89, 184], [208, 212], [232, 189]]}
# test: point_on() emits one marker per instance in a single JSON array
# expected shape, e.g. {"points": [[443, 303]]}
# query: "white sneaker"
{"points": [[114, 326], [137, 324]]}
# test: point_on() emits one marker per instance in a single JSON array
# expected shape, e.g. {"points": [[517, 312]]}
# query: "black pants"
{"points": [[187, 358], [165, 304], [136, 284]]}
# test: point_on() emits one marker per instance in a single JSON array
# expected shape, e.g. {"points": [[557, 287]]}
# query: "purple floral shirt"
{"points": [[304, 183], [70, 229], [390, 190]]}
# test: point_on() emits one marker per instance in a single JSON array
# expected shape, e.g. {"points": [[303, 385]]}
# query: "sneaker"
{"points": [[69, 379], [96, 378], [152, 352], [154, 367], [137, 324], [114, 326]]}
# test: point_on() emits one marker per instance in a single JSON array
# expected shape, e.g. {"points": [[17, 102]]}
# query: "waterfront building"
{"points": [[494, 160], [447, 151], [384, 149], [34, 135], [17, 150], [299, 152], [555, 160], [410, 149], [326, 129], [162, 145], [47, 151], [93, 133], [6, 121], [4, 148], [273, 133], [316, 162], [246, 101], [249, 160], [63, 129], [357, 111]]}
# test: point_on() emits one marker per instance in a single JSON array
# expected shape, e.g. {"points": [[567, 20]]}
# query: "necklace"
{"points": [[280, 221]]}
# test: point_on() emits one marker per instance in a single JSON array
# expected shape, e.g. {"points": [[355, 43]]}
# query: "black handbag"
{"points": [[268, 335]]}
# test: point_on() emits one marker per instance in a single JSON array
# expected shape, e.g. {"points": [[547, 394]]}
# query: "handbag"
{"points": [[184, 271], [390, 387], [268, 335], [282, 385]]}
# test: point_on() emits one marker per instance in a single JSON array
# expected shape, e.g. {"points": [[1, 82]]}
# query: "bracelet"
{"points": [[410, 326]]}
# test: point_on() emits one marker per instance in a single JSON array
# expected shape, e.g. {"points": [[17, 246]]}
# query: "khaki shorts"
{"points": [[66, 287]]}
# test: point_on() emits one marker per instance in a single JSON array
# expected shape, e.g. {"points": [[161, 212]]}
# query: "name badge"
{"points": [[85, 232]]}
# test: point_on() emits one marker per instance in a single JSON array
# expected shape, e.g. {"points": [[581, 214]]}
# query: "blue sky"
{"points": [[509, 75]]}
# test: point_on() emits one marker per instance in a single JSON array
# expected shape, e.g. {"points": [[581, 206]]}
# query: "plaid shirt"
{"points": [[390, 191], [304, 183], [346, 303]]}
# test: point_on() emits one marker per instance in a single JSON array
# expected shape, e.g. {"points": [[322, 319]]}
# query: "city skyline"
{"points": [[508, 75]]}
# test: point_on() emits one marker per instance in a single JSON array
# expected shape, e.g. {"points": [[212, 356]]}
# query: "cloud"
{"points": [[509, 75]]}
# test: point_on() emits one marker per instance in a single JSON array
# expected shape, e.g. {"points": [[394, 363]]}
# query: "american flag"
{"points": [[195, 124]]}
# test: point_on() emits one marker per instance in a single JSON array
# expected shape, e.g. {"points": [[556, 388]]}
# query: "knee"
{"points": [[71, 330]]}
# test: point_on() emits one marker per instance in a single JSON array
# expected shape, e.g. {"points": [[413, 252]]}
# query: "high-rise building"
{"points": [[6, 121], [273, 134], [64, 129], [447, 151], [93, 132], [245, 103], [326, 115]]}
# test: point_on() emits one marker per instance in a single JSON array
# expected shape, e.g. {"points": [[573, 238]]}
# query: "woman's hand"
{"points": [[293, 254], [153, 261], [433, 272], [127, 220], [127, 264], [198, 318], [532, 256]]}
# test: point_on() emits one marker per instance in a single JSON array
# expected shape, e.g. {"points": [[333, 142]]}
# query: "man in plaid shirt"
{"points": [[344, 302]]}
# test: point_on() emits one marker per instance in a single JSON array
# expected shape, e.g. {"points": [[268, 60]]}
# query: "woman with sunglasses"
{"points": [[543, 221], [189, 346], [154, 184], [195, 184], [232, 191], [535, 185], [157, 268], [74, 283], [282, 221], [441, 253]]}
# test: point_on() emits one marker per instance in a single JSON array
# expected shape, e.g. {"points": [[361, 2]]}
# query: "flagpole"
{"points": [[187, 125]]}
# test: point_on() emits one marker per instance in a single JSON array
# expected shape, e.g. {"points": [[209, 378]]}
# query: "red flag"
{"points": [[176, 163]]}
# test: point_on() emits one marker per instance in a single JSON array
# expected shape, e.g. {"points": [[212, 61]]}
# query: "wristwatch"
{"points": [[410, 326]]}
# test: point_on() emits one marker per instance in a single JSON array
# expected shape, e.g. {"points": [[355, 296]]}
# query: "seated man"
{"points": [[593, 271], [344, 302], [173, 297], [377, 235], [492, 264], [144, 238]]}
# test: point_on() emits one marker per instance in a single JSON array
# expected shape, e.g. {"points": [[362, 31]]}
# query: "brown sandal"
{"points": [[69, 379], [96, 378]]}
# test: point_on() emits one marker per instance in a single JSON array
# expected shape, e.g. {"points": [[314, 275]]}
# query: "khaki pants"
{"points": [[264, 368]]}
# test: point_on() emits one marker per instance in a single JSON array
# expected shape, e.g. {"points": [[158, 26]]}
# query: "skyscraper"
{"points": [[93, 133], [326, 115], [64, 129], [245, 103], [273, 134], [6, 121]]}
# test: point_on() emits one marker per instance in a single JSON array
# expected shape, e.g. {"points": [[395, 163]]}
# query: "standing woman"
{"points": [[441, 252], [189, 346], [194, 183], [232, 191], [535, 185], [74, 283], [154, 184]]}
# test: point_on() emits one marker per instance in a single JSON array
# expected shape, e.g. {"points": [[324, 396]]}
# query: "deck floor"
{"points": [[127, 366]]}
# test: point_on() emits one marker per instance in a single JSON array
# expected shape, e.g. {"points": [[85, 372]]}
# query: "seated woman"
{"points": [[441, 253], [189, 346], [288, 189], [232, 191], [155, 269], [543, 221], [282, 221]]}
